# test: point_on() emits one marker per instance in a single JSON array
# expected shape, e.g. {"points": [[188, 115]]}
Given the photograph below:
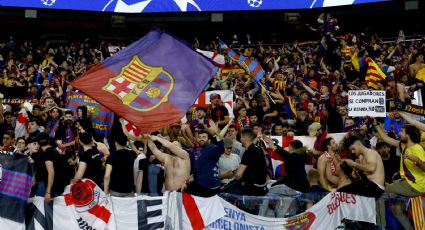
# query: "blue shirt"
{"points": [[204, 162]]}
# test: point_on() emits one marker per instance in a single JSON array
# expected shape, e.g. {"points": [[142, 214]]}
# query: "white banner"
{"points": [[326, 214], [179, 211], [366, 103]]}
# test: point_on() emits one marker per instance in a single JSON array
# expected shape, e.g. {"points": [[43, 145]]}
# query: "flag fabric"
{"points": [[141, 212], [151, 83], [191, 212], [290, 108], [102, 118], [15, 186], [421, 75], [227, 70], [217, 58], [226, 97], [417, 205], [88, 204], [253, 68], [21, 128], [54, 215], [374, 74], [358, 62], [277, 164], [132, 130]]}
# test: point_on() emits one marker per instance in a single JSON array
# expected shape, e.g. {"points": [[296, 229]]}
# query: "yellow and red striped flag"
{"points": [[374, 74], [418, 211]]}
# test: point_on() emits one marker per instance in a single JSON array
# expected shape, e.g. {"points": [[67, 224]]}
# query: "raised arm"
{"points": [[159, 155], [386, 138], [309, 90], [172, 147], [412, 121]]}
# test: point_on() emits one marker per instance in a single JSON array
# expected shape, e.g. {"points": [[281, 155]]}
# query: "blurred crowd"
{"points": [[217, 148]]}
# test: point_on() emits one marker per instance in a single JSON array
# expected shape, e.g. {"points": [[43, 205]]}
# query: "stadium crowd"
{"points": [[303, 93]]}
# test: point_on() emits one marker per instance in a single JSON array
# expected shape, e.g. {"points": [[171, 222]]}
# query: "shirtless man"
{"points": [[326, 166], [369, 161], [177, 166], [417, 65]]}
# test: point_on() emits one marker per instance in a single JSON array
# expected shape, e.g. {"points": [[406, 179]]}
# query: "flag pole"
{"points": [[274, 102]]}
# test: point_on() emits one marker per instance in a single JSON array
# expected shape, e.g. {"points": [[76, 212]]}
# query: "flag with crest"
{"points": [[151, 83]]}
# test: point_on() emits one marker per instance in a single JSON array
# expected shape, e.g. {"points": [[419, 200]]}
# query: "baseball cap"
{"points": [[227, 142]]}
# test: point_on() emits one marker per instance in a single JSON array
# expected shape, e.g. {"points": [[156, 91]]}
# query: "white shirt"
{"points": [[136, 165], [228, 163]]}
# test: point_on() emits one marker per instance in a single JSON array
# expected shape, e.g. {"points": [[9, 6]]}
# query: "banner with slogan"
{"points": [[14, 101], [326, 214], [366, 103], [102, 118], [180, 211]]}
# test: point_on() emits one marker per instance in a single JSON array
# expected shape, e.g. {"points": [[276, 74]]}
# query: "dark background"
{"points": [[386, 18]]}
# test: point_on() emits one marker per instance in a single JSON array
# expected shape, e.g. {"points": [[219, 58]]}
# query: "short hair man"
{"points": [[119, 176], [368, 161], [326, 166], [252, 170]]}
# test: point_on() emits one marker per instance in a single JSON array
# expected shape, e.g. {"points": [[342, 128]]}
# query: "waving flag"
{"points": [[151, 83], [253, 68], [217, 58], [15, 187], [374, 74]]}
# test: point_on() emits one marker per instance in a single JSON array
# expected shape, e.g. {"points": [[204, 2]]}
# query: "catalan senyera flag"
{"points": [[374, 74], [253, 68], [421, 74], [417, 205], [151, 83]]}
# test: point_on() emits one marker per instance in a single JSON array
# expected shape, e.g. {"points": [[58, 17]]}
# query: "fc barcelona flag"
{"points": [[151, 83], [15, 187]]}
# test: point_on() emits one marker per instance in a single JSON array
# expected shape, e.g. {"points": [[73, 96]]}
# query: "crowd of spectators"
{"points": [[303, 93]]}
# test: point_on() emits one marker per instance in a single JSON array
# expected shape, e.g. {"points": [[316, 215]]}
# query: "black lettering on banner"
{"points": [[143, 214], [32, 214]]}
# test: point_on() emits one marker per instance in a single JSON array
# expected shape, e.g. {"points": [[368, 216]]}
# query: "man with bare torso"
{"points": [[368, 161], [177, 166], [417, 65], [326, 166]]}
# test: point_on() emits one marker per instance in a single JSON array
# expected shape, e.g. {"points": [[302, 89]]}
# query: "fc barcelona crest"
{"points": [[141, 87]]}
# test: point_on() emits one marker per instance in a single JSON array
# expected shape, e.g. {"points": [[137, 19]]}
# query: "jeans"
{"points": [[153, 173], [39, 189]]}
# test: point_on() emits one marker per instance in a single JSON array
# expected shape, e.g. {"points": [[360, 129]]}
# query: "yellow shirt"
{"points": [[422, 139], [413, 174]]}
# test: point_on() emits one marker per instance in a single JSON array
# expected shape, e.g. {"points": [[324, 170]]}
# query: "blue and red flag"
{"points": [[101, 117], [151, 83], [252, 67], [15, 186]]}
